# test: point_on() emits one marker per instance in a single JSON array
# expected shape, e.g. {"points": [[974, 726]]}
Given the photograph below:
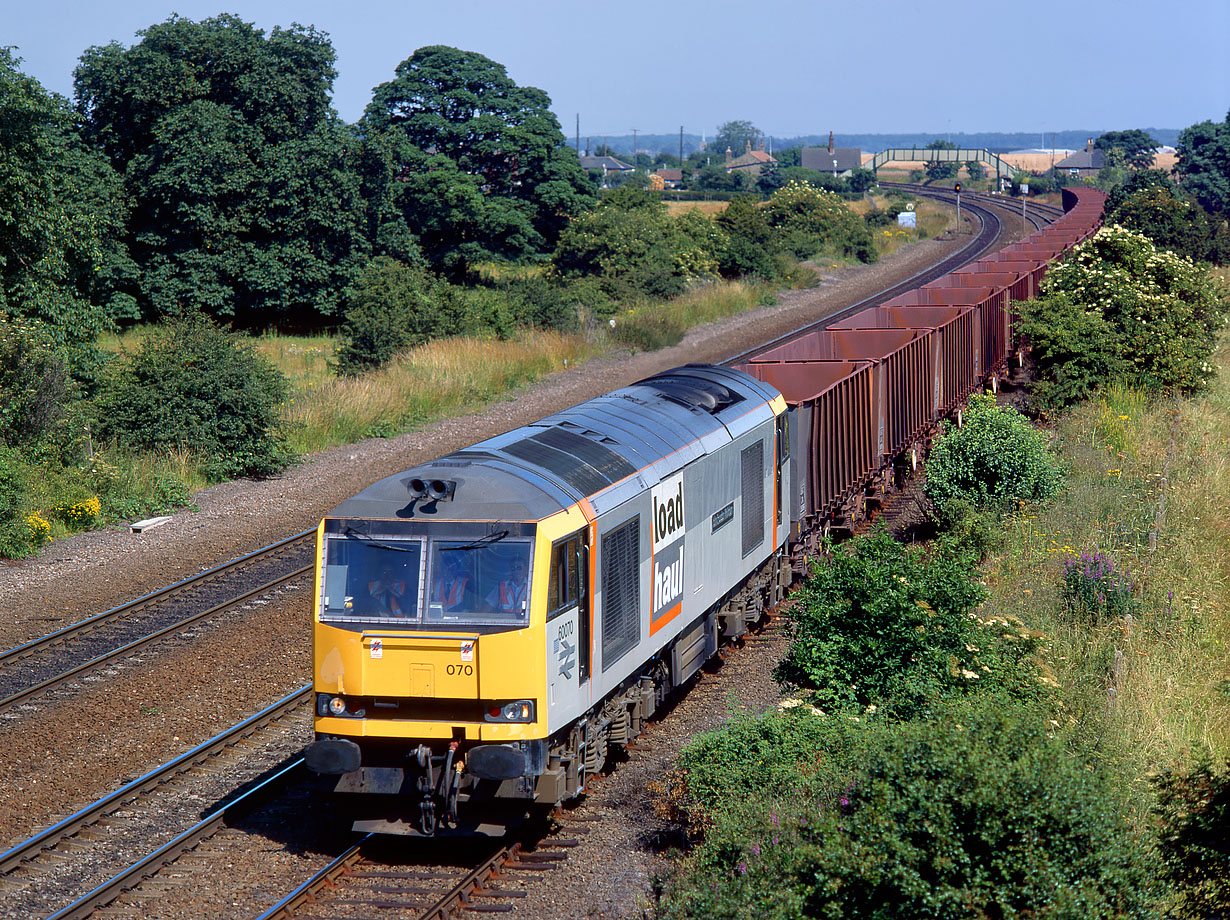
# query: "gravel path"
{"points": [[76, 746]]}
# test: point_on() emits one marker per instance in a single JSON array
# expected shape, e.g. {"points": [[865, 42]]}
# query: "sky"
{"points": [[791, 68]]}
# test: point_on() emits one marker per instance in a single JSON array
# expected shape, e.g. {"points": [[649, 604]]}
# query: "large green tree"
{"points": [[50, 226], [736, 136], [246, 201], [1204, 164], [464, 164], [1138, 146]]}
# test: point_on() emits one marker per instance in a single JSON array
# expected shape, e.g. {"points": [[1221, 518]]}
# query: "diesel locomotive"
{"points": [[488, 623]]}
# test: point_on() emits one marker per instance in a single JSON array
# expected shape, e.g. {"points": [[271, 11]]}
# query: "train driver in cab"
{"points": [[509, 595], [449, 589], [388, 592]]}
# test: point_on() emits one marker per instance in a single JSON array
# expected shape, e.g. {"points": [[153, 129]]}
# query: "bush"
{"points": [[993, 461], [17, 537], [1093, 590], [881, 626], [978, 812], [634, 248], [1194, 810], [396, 306], [1074, 350], [749, 249], [37, 395], [808, 221], [193, 386], [1154, 315]]}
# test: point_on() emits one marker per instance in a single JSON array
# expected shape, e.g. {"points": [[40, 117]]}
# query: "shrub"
{"points": [[1161, 315], [635, 248], [993, 461], [1075, 350], [878, 625], [978, 812], [37, 395], [809, 221], [395, 307], [193, 386], [1094, 590], [16, 534], [1194, 810], [749, 246]]}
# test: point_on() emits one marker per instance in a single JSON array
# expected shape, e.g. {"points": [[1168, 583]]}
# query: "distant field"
{"points": [[711, 208]]}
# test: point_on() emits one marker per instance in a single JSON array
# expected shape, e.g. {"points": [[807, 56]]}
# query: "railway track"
{"points": [[154, 815], [363, 885], [70, 654], [990, 227]]}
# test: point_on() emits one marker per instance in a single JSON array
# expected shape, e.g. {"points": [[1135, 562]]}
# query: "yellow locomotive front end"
{"points": [[429, 666]]}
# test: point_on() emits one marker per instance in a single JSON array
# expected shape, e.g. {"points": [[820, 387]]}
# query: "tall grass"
{"points": [[653, 325], [442, 378], [1155, 686]]}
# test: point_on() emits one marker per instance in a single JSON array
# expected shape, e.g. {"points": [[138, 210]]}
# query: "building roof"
{"points": [[669, 175], [821, 158], [606, 164], [1083, 159]]}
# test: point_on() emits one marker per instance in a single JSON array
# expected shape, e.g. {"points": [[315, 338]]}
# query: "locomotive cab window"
{"points": [[479, 583], [372, 582], [566, 586]]}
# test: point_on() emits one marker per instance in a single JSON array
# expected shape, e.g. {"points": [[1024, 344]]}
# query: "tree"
{"points": [[942, 169], [246, 203], [49, 238], [1166, 218], [1137, 146], [494, 146], [717, 178], [1204, 164], [750, 245], [736, 136]]}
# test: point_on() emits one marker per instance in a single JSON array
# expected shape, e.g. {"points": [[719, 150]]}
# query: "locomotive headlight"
{"points": [[516, 711]]}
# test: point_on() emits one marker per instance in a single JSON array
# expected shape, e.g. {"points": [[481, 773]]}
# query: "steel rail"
{"points": [[25, 851], [13, 699], [100, 619], [326, 876], [170, 851], [459, 896]]}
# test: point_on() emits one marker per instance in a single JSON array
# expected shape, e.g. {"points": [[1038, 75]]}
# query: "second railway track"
{"points": [[71, 653]]}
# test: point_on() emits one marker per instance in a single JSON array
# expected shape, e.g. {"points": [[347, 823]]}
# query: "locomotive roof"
{"points": [[605, 450]]}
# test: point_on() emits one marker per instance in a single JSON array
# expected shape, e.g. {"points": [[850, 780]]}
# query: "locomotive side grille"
{"points": [[621, 591], [753, 496]]}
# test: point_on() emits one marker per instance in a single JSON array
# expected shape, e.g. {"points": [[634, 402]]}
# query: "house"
{"points": [[1082, 162], [671, 178], [751, 162], [606, 166], [840, 161]]}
